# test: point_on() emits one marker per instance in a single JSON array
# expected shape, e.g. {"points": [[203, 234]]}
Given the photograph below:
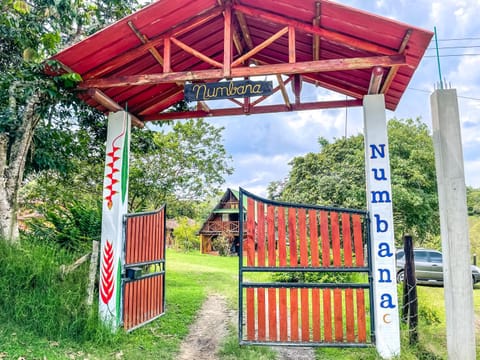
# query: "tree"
{"points": [[30, 33], [187, 163], [473, 201], [336, 176]]}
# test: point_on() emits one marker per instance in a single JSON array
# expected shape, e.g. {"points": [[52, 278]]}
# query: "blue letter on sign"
{"points": [[380, 152]]}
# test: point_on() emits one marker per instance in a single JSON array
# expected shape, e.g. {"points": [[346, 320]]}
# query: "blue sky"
{"points": [[262, 145]]}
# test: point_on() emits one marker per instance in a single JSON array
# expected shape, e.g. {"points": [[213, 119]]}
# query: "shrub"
{"points": [[186, 236]]}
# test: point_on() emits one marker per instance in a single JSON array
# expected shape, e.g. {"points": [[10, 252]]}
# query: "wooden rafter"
{"points": [[281, 87], [100, 97], [394, 69], [261, 70], [254, 110], [227, 41], [196, 53], [375, 80], [144, 39], [324, 33], [131, 55], [316, 37], [169, 97]]}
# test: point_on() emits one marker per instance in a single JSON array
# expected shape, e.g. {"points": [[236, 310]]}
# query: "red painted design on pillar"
{"points": [[113, 156], [107, 284]]}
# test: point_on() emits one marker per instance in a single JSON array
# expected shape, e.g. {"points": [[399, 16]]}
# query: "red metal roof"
{"points": [[144, 60]]}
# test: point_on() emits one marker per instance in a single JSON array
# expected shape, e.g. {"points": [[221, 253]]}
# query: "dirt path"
{"points": [[208, 331], [211, 327]]}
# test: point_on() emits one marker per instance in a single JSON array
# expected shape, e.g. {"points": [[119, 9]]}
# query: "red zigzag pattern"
{"points": [[110, 176], [106, 290]]}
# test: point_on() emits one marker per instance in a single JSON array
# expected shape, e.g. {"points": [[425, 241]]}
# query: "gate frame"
{"points": [[368, 269]]}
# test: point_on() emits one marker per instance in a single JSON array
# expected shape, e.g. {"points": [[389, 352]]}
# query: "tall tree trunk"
{"points": [[12, 164]]}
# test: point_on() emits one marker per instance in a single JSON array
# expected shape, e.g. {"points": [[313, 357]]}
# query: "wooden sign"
{"points": [[227, 90]]}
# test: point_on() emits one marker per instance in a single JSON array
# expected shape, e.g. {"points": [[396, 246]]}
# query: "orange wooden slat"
{"points": [[135, 239], [250, 314], [271, 236], [324, 233], [316, 314], [127, 240], [261, 314], [327, 315], [283, 318], [361, 318], [337, 260], [260, 234], [312, 218], [347, 239], [126, 317], [272, 315], [349, 314], [250, 233], [358, 240], [305, 310], [282, 242], [338, 314], [292, 236], [302, 230], [294, 314]]}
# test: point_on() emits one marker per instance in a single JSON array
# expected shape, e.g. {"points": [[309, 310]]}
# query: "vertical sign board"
{"points": [[379, 199], [115, 185]]}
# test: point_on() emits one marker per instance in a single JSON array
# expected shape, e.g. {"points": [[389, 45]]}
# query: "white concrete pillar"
{"points": [[115, 201], [379, 200], [453, 225]]}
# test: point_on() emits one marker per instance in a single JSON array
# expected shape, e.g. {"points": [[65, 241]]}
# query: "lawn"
{"points": [[190, 278]]}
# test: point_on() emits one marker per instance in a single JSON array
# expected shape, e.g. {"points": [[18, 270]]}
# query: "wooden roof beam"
{"points": [[101, 98], [261, 70], [196, 53], [281, 87], [324, 33], [316, 37], [255, 110], [394, 69]]}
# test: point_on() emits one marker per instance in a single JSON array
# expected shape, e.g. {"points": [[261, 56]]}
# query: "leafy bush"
{"points": [[185, 234], [223, 244]]}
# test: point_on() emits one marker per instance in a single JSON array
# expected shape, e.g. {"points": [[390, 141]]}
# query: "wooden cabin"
{"points": [[223, 220]]}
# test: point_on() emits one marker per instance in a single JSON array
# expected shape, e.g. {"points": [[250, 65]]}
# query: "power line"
{"points": [[450, 55], [459, 96]]}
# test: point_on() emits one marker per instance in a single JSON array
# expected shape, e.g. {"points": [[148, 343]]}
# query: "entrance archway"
{"points": [[151, 59]]}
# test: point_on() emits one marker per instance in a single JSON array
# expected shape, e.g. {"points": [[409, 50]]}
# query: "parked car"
{"points": [[428, 267]]}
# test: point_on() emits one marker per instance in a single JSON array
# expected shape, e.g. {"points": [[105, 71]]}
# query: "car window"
{"points": [[421, 255], [435, 257], [399, 255]]}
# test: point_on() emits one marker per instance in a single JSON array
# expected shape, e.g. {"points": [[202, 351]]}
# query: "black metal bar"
{"points": [[240, 266], [304, 344], [306, 269], [302, 206], [278, 285], [370, 277], [146, 276], [153, 212], [164, 207], [146, 263]]}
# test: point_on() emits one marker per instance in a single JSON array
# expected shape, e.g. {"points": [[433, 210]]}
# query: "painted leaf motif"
{"points": [[124, 177], [107, 285]]}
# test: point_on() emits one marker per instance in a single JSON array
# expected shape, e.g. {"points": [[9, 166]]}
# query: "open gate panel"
{"points": [[144, 268], [318, 288]]}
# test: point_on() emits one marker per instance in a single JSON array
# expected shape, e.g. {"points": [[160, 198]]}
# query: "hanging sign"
{"points": [[227, 90]]}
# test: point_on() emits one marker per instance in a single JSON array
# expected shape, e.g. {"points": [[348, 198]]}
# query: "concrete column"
{"points": [[115, 206], [379, 200], [454, 225]]}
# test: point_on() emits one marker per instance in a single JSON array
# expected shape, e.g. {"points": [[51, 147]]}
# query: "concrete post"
{"points": [[379, 200], [454, 225]]}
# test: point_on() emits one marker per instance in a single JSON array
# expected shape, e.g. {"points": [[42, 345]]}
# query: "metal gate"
{"points": [[306, 281], [144, 268]]}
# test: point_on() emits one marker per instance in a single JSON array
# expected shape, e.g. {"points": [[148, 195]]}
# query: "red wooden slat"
{"points": [[338, 314], [261, 324], [347, 239], [349, 314], [127, 241], [294, 314], [260, 234], [361, 321], [305, 315], [251, 232], [312, 218], [327, 315], [135, 244], [250, 314], [272, 315], [271, 235], [302, 230], [292, 236], [358, 240], [316, 314], [282, 243], [283, 318], [272, 293], [126, 305], [324, 233], [337, 261]]}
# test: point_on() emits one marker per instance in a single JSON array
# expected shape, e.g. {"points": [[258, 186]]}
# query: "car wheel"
{"points": [[400, 276], [473, 282]]}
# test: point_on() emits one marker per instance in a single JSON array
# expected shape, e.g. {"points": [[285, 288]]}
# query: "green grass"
{"points": [[42, 316]]}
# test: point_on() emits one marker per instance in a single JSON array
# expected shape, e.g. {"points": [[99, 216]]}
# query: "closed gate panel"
{"points": [[304, 278]]}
